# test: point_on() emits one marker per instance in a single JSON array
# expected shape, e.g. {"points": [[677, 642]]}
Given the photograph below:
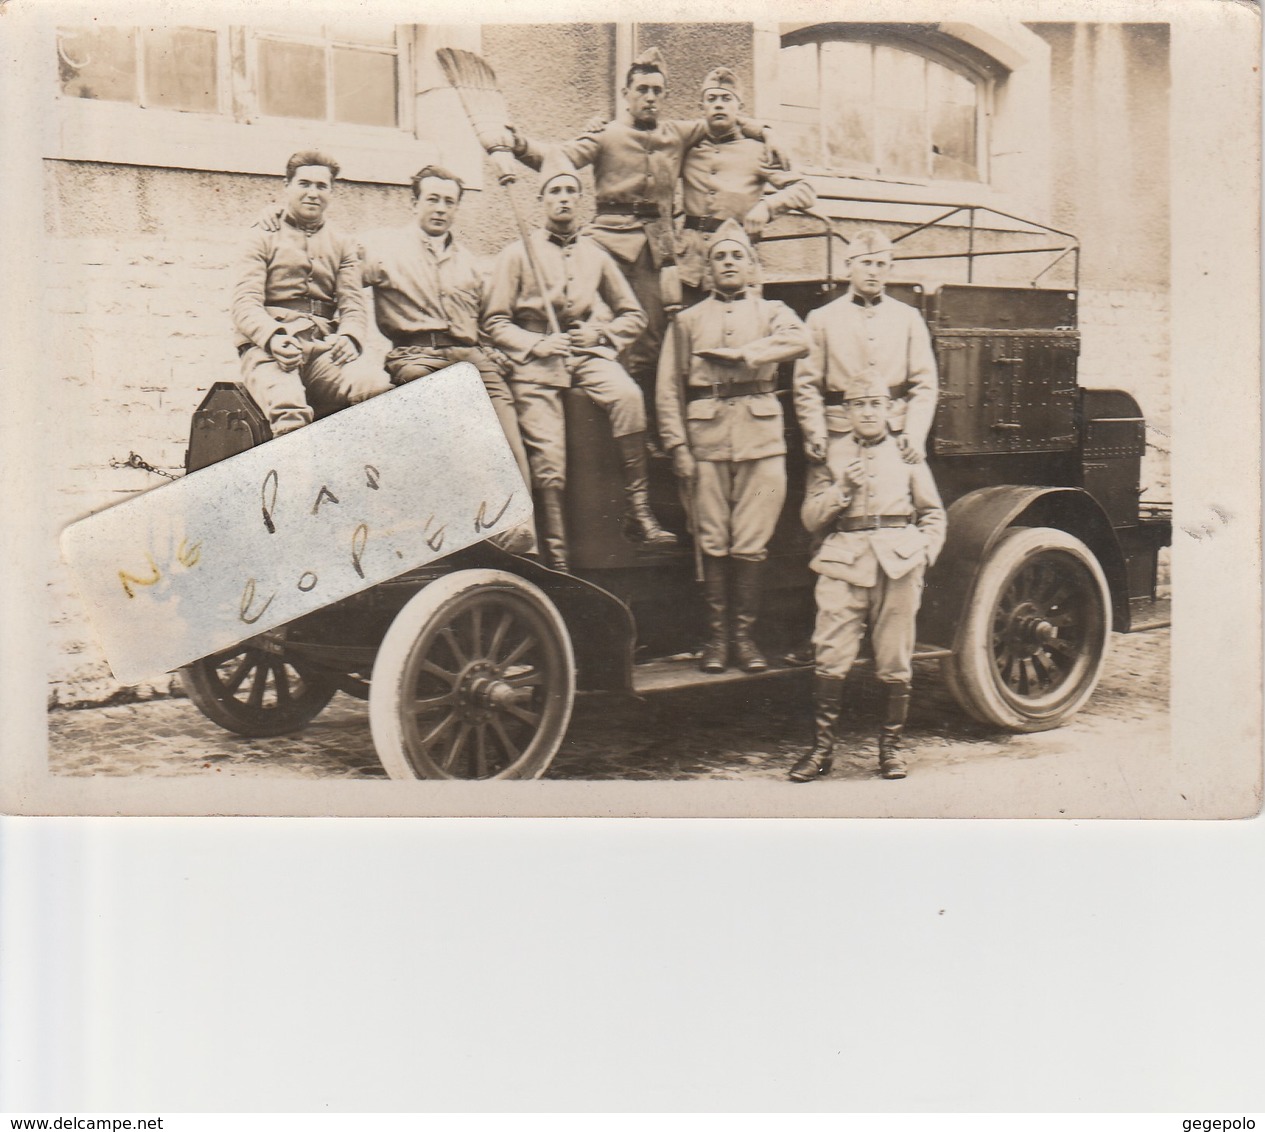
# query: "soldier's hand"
{"points": [[583, 337], [777, 155], [552, 346], [757, 218], [271, 219], [594, 125], [342, 350], [853, 475], [503, 365], [815, 450], [285, 350], [908, 452], [726, 355], [683, 462]]}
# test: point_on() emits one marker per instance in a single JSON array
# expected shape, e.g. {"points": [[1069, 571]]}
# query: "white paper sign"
{"points": [[295, 524]]}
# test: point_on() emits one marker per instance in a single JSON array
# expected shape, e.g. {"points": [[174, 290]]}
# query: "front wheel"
{"points": [[475, 679], [1031, 646]]}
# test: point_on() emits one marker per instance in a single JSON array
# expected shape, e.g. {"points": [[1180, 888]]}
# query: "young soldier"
{"points": [[881, 524], [576, 272], [298, 306], [636, 162], [864, 335], [721, 422], [724, 177]]}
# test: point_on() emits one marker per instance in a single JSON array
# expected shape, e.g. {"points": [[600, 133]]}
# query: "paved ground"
{"points": [[751, 731]]}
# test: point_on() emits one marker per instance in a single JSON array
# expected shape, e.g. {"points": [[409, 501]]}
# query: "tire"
{"points": [[254, 692], [475, 679], [1035, 634]]}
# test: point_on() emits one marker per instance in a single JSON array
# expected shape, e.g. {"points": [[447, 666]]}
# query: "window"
{"points": [[160, 68], [883, 105]]}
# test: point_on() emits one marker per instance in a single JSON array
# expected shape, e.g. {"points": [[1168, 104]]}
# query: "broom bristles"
{"points": [[475, 84]]}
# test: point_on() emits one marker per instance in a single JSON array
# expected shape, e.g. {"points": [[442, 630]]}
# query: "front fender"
{"points": [[978, 519]]}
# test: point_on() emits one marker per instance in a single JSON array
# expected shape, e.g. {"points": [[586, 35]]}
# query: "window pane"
{"points": [[953, 101], [797, 75], [800, 131], [362, 31], [291, 80], [847, 101], [97, 63], [180, 69], [904, 149], [364, 87]]}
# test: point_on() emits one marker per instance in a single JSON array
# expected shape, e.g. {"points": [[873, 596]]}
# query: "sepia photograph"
{"points": [[809, 442]]}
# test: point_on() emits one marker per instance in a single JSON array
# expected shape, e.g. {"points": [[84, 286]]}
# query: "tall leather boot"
{"points": [[553, 528], [891, 748], [639, 520], [715, 656], [827, 699], [746, 602]]}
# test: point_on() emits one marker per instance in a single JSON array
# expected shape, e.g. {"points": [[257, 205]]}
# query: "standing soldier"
{"points": [[636, 164], [298, 306], [427, 291], [720, 420], [880, 524], [866, 335], [724, 178], [575, 271]]}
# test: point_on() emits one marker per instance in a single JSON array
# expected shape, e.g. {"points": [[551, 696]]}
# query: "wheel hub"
{"points": [[481, 691], [1029, 631]]}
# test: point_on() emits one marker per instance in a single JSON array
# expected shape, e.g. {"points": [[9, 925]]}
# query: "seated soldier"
{"points": [[298, 306], [881, 524], [575, 272]]}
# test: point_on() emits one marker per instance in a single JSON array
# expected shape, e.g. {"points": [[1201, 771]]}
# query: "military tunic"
{"points": [[853, 340], [576, 272], [305, 282], [724, 178], [737, 439], [872, 577]]}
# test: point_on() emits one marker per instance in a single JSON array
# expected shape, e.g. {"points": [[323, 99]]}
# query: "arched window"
{"points": [[902, 104]]}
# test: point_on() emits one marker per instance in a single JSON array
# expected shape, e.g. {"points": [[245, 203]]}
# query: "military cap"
{"points": [[651, 59], [868, 241], [730, 232], [865, 384], [724, 79], [557, 164]]}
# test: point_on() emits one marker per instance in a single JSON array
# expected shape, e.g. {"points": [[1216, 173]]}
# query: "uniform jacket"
{"points": [[741, 428], [892, 487], [414, 290], [631, 165], [577, 271], [887, 341], [722, 179], [292, 263]]}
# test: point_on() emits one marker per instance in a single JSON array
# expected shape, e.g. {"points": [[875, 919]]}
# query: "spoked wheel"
{"points": [[1031, 647], [255, 692], [474, 679]]}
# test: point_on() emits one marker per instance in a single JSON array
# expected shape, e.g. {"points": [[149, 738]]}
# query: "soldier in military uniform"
{"points": [[427, 292], [724, 177], [866, 334], [880, 523], [298, 306], [636, 163], [720, 420], [575, 271]]}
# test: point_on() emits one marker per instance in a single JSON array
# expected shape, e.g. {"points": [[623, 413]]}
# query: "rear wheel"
{"points": [[1031, 646], [474, 679]]}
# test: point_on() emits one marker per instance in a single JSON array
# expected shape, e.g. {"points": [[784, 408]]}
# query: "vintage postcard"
{"points": [[706, 410]]}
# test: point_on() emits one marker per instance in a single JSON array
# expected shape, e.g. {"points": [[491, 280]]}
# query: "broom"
{"points": [[484, 104]]}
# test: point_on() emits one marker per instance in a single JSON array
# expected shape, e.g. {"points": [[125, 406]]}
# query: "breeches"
{"points": [[889, 607], [409, 363], [542, 419], [642, 358], [737, 505], [315, 388]]}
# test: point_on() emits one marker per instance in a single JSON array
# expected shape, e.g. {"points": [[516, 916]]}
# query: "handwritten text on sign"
{"points": [[261, 538]]}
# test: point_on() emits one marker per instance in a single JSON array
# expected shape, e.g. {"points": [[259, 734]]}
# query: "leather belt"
{"points": [[430, 339], [873, 522], [308, 305], [642, 209], [732, 389], [703, 223], [838, 397]]}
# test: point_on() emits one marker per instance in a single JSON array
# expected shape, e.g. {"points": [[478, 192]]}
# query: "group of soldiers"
{"points": [[681, 352]]}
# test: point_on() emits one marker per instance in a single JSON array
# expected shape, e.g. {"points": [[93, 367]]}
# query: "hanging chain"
{"points": [[135, 461]]}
